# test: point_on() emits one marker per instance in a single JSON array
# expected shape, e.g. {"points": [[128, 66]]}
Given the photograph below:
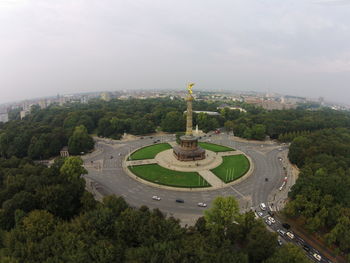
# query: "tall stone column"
{"points": [[189, 115]]}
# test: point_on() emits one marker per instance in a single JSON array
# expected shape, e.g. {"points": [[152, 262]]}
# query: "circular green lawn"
{"points": [[215, 147], [232, 167], [149, 152], [157, 174]]}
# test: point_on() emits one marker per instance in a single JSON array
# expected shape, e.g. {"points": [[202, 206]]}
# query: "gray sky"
{"points": [[297, 47]]}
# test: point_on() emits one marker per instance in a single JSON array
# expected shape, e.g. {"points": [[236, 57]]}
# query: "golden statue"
{"points": [[189, 88]]}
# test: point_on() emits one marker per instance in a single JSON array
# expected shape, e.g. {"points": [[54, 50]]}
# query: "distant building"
{"points": [[211, 113], [106, 96], [23, 113], [223, 106], [269, 104], [42, 104], [4, 117]]}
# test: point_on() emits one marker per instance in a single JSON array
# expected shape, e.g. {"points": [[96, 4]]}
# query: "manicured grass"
{"points": [[149, 152], [232, 168], [160, 175], [215, 147]]}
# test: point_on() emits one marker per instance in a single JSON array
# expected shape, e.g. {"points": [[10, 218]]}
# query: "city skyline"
{"points": [[290, 47]]}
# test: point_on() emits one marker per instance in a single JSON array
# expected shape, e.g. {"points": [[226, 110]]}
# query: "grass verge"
{"points": [[232, 168], [160, 175], [215, 147], [149, 152]]}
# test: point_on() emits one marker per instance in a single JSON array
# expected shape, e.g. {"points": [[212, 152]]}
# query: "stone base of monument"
{"points": [[188, 150], [168, 160]]}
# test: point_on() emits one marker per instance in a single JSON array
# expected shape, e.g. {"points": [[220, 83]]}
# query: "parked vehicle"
{"points": [[317, 257], [156, 198], [180, 201], [281, 232], [262, 206], [290, 235], [202, 204]]}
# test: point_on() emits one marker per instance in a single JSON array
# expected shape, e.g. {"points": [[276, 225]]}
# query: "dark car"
{"points": [[270, 213], [286, 226], [179, 201], [306, 248]]}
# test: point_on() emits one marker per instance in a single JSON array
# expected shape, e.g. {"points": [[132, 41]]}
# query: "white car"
{"points": [[281, 232], [260, 214], [290, 235], [271, 219], [202, 204], [263, 206], [268, 222], [317, 257], [156, 198]]}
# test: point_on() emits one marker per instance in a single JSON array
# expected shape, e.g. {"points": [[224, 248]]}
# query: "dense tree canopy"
{"points": [[321, 195], [43, 133], [46, 216]]}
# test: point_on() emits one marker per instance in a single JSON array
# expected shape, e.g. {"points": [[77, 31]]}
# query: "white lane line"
{"points": [[239, 193]]}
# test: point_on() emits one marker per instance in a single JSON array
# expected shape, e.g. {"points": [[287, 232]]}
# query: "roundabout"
{"points": [[157, 165], [106, 175]]}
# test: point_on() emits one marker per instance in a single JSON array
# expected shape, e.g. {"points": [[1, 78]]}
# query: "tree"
{"points": [[229, 125], [174, 121], [72, 167], [289, 253], [223, 213], [80, 141]]}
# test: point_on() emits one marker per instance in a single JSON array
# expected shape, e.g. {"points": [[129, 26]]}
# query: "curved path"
{"points": [[105, 168]]}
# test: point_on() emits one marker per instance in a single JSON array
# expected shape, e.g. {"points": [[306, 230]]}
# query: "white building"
{"points": [[4, 117]]}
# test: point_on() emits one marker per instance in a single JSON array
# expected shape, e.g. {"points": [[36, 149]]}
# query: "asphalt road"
{"points": [[110, 176], [277, 225]]}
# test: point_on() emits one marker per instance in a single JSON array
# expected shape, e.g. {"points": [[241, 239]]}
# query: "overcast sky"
{"points": [[296, 47]]}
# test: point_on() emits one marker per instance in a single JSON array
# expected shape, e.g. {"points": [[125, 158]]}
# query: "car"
{"points": [[263, 206], [111, 156], [141, 137], [286, 226], [279, 241], [281, 232], [155, 197], [317, 257], [270, 213], [280, 149], [306, 248], [302, 241], [271, 219], [179, 201], [260, 214], [202, 204], [268, 222], [290, 235], [266, 179]]}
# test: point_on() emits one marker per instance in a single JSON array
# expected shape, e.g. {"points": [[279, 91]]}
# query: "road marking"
{"points": [[237, 191]]}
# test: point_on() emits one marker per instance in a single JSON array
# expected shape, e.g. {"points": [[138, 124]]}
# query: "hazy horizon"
{"points": [[294, 47]]}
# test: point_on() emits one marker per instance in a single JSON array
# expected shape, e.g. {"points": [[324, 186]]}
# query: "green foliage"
{"points": [[214, 147], [174, 121], [223, 213], [289, 253], [149, 152], [80, 141], [321, 195], [112, 231], [232, 167], [160, 175]]}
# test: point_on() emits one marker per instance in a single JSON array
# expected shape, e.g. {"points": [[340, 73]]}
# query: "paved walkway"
{"points": [[141, 162], [211, 178]]}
